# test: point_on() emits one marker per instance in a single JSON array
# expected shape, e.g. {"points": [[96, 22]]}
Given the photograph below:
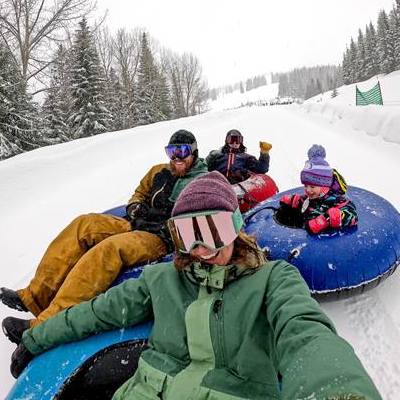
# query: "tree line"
{"points": [[376, 50], [245, 86], [91, 81], [306, 82]]}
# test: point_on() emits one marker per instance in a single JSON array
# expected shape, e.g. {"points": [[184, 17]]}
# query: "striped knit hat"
{"points": [[316, 171]]}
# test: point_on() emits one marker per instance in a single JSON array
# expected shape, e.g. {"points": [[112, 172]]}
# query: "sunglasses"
{"points": [[211, 229], [179, 151], [234, 139]]}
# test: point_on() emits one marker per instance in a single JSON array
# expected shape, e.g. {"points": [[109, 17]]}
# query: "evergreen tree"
{"points": [[371, 63], [385, 46], [88, 116], [353, 61], [115, 102], [151, 90], [360, 70], [346, 68], [56, 105], [334, 93], [249, 84], [162, 99], [18, 115], [283, 85], [312, 88], [394, 35]]}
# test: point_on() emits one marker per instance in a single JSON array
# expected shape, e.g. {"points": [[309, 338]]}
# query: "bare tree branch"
{"points": [[33, 26]]}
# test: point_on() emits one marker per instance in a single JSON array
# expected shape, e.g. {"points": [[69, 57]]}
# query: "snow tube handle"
{"points": [[294, 253]]}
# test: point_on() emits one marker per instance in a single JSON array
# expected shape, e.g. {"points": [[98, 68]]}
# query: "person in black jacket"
{"points": [[233, 161]]}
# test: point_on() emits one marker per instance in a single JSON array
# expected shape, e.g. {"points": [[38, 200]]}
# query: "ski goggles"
{"points": [[180, 151], [234, 139], [211, 229]]}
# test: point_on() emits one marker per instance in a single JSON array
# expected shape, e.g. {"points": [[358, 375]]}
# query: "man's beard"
{"points": [[180, 173]]}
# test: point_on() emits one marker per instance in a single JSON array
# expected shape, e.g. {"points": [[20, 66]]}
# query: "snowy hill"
{"points": [[237, 99], [43, 190], [381, 121]]}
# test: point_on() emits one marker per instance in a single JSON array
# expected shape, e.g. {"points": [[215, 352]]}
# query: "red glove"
{"points": [[317, 225], [293, 201], [335, 217], [332, 218]]}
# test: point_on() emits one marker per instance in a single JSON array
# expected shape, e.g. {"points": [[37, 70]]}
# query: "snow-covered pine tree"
{"points": [[18, 116], [360, 73], [162, 98], [146, 86], [394, 28], [371, 52], [115, 102], [385, 46], [283, 85], [57, 102], [353, 61], [346, 67], [88, 114], [334, 93]]}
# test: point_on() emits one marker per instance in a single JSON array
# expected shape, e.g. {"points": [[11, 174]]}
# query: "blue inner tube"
{"points": [[346, 260]]}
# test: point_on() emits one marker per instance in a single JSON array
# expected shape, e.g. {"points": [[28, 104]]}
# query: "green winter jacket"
{"points": [[214, 340]]}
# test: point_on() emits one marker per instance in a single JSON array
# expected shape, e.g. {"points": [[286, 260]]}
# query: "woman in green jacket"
{"points": [[227, 324]]}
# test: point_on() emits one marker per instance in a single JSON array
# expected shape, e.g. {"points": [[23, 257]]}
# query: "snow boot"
{"points": [[11, 299], [13, 328]]}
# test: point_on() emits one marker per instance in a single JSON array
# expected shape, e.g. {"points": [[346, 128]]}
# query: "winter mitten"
{"points": [[19, 360], [293, 201], [335, 217], [316, 225], [265, 147], [135, 210]]}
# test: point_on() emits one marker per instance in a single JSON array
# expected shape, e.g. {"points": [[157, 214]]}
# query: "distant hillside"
{"points": [[263, 94]]}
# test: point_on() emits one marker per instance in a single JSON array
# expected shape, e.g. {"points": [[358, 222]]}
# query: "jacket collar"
{"points": [[216, 276]]}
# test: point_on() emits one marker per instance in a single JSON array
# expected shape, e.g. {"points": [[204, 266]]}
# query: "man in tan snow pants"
{"points": [[87, 256]]}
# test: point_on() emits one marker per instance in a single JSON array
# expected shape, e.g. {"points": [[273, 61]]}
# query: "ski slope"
{"points": [[43, 190]]}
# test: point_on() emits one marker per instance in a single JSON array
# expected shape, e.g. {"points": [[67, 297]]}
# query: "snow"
{"points": [[236, 99], [41, 191], [374, 120]]}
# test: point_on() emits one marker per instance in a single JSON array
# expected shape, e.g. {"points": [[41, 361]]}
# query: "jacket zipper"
{"points": [[156, 193], [217, 309]]}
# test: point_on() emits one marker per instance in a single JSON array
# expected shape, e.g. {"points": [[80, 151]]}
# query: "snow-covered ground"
{"points": [[43, 190], [374, 120], [236, 99]]}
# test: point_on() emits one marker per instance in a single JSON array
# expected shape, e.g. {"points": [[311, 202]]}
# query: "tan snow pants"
{"points": [[84, 260]]}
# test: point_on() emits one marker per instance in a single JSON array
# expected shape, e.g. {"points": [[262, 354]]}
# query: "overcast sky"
{"points": [[237, 39]]}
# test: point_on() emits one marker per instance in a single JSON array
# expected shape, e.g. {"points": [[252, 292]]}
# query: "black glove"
{"points": [[19, 360], [135, 210]]}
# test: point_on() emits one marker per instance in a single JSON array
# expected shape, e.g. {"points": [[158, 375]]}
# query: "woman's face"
{"points": [[220, 257]]}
